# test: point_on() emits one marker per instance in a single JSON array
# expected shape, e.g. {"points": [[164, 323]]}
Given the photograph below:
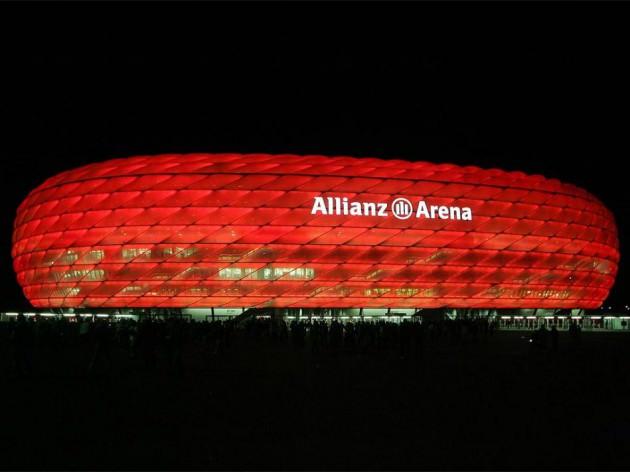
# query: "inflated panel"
{"points": [[209, 230]]}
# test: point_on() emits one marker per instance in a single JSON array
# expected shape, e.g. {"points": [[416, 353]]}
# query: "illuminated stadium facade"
{"points": [[310, 232]]}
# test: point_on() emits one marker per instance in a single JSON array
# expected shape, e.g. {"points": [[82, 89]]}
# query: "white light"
{"points": [[11, 314], [47, 314], [68, 315]]}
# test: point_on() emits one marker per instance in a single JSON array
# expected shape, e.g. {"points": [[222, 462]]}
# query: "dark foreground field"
{"points": [[493, 403]]}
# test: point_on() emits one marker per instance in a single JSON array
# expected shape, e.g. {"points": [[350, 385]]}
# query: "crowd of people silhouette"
{"points": [[214, 378], [153, 341]]}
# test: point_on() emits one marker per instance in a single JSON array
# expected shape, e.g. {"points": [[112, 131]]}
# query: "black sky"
{"points": [[541, 88]]}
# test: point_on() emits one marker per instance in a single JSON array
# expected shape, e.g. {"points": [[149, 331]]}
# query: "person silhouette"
{"points": [[101, 345], [22, 345], [554, 338], [542, 336]]}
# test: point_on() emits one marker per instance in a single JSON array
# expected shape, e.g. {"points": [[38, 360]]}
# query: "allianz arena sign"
{"points": [[401, 208], [260, 230]]}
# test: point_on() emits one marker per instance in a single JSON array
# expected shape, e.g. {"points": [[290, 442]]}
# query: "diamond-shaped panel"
{"points": [[208, 230]]}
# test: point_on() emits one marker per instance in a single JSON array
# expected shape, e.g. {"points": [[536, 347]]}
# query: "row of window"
{"points": [[228, 273], [71, 256]]}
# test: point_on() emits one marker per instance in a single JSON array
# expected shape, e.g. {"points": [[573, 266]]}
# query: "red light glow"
{"points": [[210, 230]]}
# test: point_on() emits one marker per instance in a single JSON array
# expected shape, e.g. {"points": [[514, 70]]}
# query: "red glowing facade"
{"points": [[211, 230]]}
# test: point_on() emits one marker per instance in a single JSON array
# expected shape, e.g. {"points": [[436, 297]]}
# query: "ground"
{"points": [[495, 403]]}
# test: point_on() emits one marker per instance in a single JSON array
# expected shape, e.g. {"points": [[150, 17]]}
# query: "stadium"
{"points": [[220, 235]]}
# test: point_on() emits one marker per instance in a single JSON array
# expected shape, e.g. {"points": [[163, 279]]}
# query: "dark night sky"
{"points": [[537, 88]]}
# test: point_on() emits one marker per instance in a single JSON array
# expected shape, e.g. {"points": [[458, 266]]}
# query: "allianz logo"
{"points": [[401, 208]]}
